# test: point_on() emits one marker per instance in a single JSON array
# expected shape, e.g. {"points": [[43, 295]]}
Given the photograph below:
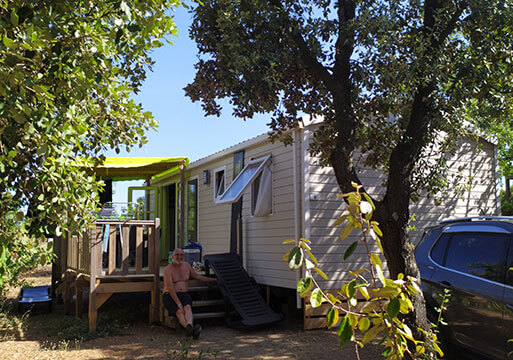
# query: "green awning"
{"points": [[134, 168]]}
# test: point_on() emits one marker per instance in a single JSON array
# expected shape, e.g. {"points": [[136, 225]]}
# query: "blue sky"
{"points": [[183, 128]]}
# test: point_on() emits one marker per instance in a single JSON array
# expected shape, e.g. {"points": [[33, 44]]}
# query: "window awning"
{"points": [[247, 175], [136, 168]]}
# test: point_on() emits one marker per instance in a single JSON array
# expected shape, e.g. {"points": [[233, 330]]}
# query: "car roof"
{"points": [[478, 218]]}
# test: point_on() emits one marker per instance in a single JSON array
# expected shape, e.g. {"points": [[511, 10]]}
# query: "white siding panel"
{"points": [[471, 165], [264, 235]]}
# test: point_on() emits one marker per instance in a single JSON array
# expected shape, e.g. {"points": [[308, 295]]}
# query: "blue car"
{"points": [[473, 258]]}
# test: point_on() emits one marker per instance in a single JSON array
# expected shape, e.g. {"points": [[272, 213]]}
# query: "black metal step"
{"points": [[239, 288]]}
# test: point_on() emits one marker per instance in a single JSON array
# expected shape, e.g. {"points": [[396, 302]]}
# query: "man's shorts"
{"points": [[171, 306]]}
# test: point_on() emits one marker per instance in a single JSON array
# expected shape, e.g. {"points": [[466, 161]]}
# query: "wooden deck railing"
{"points": [[119, 248], [118, 256]]}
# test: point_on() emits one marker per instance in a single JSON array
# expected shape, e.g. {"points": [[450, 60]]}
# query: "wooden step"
{"points": [[201, 288], [208, 315], [198, 303]]}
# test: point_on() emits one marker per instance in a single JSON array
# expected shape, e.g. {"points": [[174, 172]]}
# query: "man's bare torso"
{"points": [[180, 275]]}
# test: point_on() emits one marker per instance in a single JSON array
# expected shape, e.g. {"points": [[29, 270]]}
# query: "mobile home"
{"points": [[253, 195]]}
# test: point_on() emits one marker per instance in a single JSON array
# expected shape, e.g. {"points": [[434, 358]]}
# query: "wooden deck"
{"points": [[112, 257]]}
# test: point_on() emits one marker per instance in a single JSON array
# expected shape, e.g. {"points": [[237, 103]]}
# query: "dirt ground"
{"points": [[286, 340]]}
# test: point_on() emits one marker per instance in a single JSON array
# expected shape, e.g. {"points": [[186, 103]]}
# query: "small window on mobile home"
{"points": [[262, 193], [219, 181], [248, 174]]}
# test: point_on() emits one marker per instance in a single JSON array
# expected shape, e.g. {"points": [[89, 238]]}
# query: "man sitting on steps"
{"points": [[176, 298]]}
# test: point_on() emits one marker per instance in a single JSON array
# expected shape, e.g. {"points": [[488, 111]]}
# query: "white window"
{"points": [[262, 193], [219, 182], [245, 178]]}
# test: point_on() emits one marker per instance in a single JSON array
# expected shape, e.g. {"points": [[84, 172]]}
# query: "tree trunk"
{"points": [[399, 253], [392, 214]]}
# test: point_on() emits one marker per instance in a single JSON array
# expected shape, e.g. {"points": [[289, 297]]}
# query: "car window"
{"points": [[438, 251], [479, 254]]}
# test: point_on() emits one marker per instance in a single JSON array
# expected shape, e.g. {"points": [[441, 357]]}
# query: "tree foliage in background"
{"points": [[388, 77], [67, 71]]}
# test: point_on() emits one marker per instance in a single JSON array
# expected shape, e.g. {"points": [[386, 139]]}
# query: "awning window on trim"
{"points": [[250, 172]]}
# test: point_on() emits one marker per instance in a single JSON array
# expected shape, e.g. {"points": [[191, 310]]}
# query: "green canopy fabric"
{"points": [[134, 168]]}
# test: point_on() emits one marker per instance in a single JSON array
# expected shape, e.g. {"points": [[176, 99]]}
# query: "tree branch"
{"points": [[312, 64]]}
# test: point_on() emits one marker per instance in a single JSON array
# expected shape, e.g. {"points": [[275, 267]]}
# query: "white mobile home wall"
{"points": [[262, 236], [473, 162], [305, 204]]}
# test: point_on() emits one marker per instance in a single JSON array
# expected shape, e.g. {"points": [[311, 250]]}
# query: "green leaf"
{"points": [[341, 219], [349, 251], [381, 276], [393, 307], [376, 260], [304, 285], [316, 298], [386, 352], [332, 317], [438, 350], [8, 42], [345, 332], [14, 18], [376, 228], [311, 256], [365, 292], [407, 332], [290, 241], [368, 198], [346, 231], [372, 333], [295, 258], [363, 324], [286, 256], [321, 273], [351, 289], [333, 299]]}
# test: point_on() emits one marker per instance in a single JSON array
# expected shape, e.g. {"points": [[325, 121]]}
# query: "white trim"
{"points": [[229, 151], [186, 237], [306, 184], [219, 169], [297, 202], [261, 161]]}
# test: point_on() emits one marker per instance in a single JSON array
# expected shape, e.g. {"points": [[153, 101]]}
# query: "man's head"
{"points": [[178, 255]]}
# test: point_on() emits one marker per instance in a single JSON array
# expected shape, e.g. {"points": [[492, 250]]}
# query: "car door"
{"points": [[508, 303], [471, 265]]}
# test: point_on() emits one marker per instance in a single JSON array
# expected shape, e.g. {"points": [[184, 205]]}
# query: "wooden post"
{"points": [[151, 249], [125, 231], [96, 248], [155, 294], [182, 205], [112, 249], [138, 249]]}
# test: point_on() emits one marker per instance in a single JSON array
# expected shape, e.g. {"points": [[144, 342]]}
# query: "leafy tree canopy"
{"points": [[388, 77], [67, 71], [363, 60]]}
